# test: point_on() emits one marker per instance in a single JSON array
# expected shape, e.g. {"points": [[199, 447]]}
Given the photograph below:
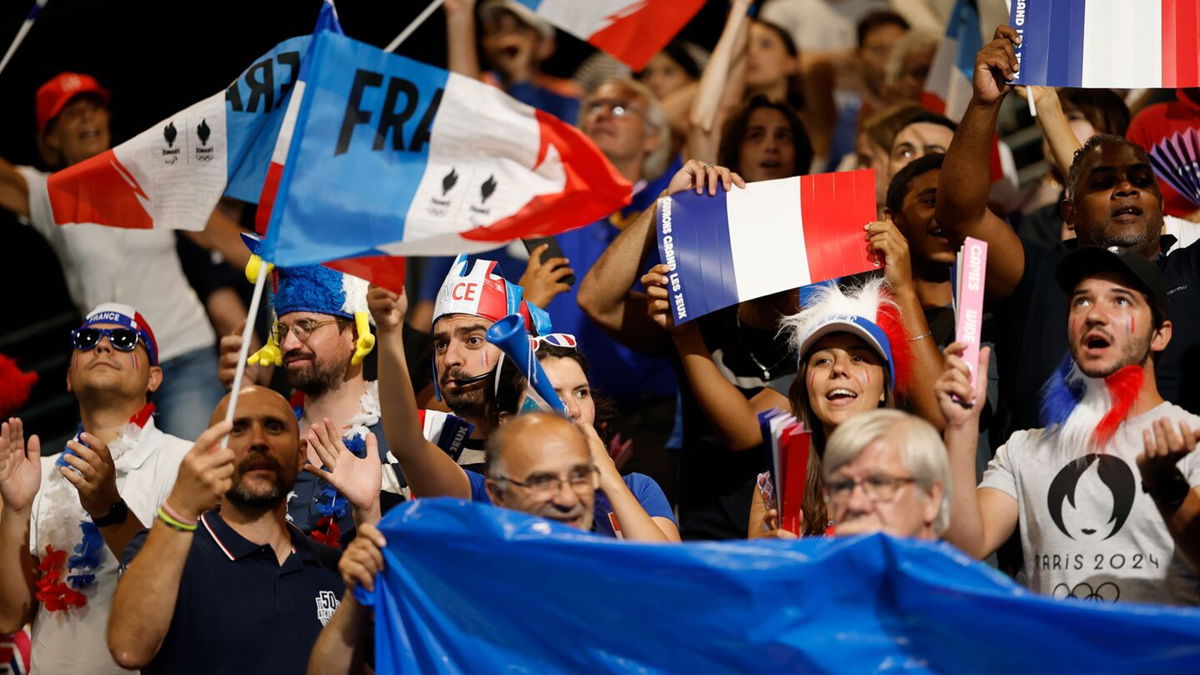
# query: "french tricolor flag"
{"points": [[173, 174], [1116, 43], [631, 30], [948, 85], [772, 236], [382, 155]]}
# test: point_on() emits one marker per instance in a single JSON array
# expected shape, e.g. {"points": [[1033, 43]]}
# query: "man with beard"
{"points": [[86, 501], [1087, 531], [221, 582], [320, 339], [1112, 199]]}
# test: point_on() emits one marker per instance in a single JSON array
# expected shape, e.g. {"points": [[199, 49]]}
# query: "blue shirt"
{"points": [[239, 610], [647, 491]]}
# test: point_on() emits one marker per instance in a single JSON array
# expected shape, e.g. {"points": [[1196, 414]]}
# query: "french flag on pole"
{"points": [[173, 174], [630, 30], [1122, 44], [772, 236], [948, 85], [383, 155]]}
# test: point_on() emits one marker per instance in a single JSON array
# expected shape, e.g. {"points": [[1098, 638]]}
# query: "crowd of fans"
{"points": [[166, 539]]}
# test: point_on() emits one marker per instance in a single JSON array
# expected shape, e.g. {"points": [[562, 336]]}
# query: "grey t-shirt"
{"points": [[1087, 529]]}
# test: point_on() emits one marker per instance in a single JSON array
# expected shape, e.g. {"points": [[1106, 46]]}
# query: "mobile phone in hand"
{"points": [[554, 251]]}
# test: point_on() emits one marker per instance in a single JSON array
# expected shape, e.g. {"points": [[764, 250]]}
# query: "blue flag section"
{"points": [[473, 588]]}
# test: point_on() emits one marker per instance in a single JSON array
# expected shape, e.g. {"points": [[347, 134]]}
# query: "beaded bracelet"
{"points": [[175, 524]]}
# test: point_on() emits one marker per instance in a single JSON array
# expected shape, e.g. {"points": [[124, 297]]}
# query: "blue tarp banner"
{"points": [[474, 588]]}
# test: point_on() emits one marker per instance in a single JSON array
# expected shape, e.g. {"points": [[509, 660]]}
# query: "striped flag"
{"points": [[1118, 43], [630, 30], [948, 85], [773, 236], [383, 155], [173, 174]]}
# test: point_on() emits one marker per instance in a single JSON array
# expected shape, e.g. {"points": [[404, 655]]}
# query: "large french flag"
{"points": [[1113, 43], [948, 85], [383, 155], [173, 174], [772, 236], [630, 30]]}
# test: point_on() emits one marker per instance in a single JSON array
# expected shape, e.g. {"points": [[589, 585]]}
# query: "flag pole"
{"points": [[24, 30], [1029, 100], [416, 23], [244, 352]]}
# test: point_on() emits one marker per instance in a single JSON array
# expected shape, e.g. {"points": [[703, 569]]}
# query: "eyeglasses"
{"points": [[121, 339], [542, 485], [877, 488], [616, 108], [564, 340], [303, 329]]}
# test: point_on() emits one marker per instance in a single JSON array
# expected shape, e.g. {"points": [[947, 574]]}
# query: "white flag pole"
{"points": [[25, 26], [244, 352], [416, 23], [1029, 100]]}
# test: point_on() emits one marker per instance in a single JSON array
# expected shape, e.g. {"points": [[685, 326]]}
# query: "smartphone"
{"points": [[555, 251]]}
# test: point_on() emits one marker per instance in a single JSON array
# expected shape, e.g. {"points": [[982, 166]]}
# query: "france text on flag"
{"points": [[383, 155], [1119, 43], [773, 236], [631, 30], [173, 174], [948, 85], [819, 604]]}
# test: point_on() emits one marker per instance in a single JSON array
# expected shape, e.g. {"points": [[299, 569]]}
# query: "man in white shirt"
{"points": [[67, 517], [139, 267], [1097, 521]]}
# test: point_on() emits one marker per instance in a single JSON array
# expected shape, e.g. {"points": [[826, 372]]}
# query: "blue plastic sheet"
{"points": [[473, 588]]}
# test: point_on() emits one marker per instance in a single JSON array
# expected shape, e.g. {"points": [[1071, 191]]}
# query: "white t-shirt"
{"points": [[73, 641], [137, 267], [1087, 529]]}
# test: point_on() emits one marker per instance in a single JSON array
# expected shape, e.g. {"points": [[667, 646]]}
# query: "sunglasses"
{"points": [[121, 339], [565, 340]]}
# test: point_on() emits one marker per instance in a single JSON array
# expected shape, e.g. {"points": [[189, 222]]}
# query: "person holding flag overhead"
{"points": [[68, 516], [1112, 199], [140, 268]]}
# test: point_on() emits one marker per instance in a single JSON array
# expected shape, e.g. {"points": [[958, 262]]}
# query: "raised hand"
{"points": [[884, 239], [543, 280], [658, 297], [388, 308], [960, 404], [20, 465], [1165, 445], [363, 558], [995, 65], [205, 474], [358, 478], [701, 177], [92, 472]]}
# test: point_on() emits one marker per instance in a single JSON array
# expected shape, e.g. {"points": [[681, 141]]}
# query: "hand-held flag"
{"points": [[1118, 44], [631, 30], [789, 443], [772, 236]]}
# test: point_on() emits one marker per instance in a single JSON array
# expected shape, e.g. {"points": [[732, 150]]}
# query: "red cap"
{"points": [[56, 93]]}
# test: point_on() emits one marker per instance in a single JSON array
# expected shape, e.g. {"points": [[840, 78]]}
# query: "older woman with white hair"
{"points": [[887, 471]]}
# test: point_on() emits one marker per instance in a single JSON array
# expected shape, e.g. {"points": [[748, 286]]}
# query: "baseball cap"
{"points": [[490, 9], [868, 331], [1086, 261], [56, 93], [124, 315]]}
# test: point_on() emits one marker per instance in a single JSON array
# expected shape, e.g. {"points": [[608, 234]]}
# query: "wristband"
{"points": [[921, 337], [166, 507], [174, 524], [1170, 493]]}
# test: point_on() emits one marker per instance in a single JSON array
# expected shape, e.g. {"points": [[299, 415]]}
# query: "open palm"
{"points": [[20, 465], [357, 478]]}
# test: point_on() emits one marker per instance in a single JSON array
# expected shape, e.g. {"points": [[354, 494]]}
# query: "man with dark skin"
{"points": [[1112, 199]]}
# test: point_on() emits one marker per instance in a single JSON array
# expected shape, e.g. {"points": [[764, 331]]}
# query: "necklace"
{"points": [[766, 371]]}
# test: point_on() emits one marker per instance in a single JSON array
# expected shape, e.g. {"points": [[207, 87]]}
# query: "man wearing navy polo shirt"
{"points": [[234, 589]]}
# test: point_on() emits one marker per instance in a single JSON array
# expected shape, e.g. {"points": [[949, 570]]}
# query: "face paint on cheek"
{"points": [[1132, 326]]}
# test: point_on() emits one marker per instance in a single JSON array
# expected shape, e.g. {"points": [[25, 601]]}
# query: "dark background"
{"points": [[158, 57]]}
